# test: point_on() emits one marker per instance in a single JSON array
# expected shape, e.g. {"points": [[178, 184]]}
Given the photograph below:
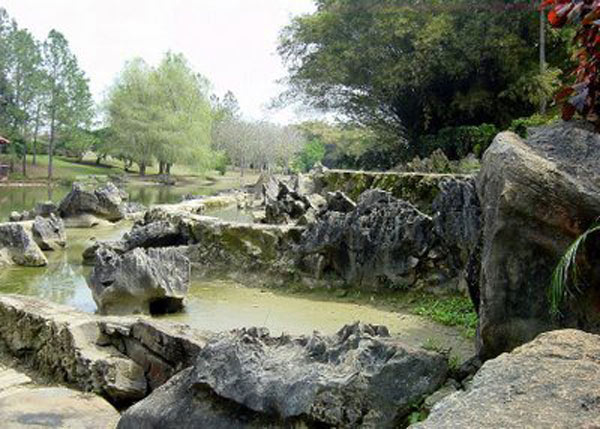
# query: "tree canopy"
{"points": [[405, 68], [161, 114]]}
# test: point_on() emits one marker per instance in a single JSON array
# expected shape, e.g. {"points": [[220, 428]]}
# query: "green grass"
{"points": [[453, 310], [68, 170], [450, 311]]}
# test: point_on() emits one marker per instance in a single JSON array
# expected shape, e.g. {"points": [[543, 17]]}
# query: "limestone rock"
{"points": [[537, 196], [49, 233], [19, 246], [23, 404], [288, 206], [551, 382], [339, 202], [154, 234], [246, 378], [105, 202], [140, 281], [62, 343], [382, 241]]}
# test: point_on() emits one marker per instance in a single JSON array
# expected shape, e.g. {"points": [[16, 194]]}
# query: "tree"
{"points": [[25, 76], [69, 102], [405, 68], [161, 114]]}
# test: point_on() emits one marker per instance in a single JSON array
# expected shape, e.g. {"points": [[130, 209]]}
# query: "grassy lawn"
{"points": [[70, 170]]}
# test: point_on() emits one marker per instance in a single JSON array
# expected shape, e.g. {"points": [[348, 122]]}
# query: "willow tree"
{"points": [[161, 114]]}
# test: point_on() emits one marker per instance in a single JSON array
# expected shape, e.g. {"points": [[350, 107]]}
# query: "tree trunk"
{"points": [[51, 143], [161, 168], [24, 160], [142, 169], [35, 133], [543, 102], [168, 169]]}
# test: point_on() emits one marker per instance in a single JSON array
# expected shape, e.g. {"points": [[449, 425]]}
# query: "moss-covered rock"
{"points": [[420, 189]]}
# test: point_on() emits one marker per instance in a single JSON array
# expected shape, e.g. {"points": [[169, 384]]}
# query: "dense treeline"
{"points": [[42, 89], [405, 69]]}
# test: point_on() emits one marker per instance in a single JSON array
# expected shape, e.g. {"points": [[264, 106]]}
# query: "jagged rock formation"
{"points": [[246, 378], [140, 281], [537, 196], [105, 203], [551, 382], [18, 247], [385, 241], [49, 233]]}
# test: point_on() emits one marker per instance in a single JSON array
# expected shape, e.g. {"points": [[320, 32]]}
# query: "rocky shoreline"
{"points": [[495, 237]]}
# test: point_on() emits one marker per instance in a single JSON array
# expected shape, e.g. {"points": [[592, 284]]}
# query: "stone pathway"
{"points": [[23, 404]]}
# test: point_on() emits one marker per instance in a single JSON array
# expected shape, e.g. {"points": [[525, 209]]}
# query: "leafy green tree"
{"points": [[69, 102], [405, 68], [161, 114]]}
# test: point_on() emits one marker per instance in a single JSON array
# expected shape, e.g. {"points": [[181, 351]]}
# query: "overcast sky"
{"points": [[231, 42]]}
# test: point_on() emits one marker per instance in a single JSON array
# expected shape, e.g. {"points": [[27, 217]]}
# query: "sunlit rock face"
{"points": [[550, 382], [49, 233], [17, 246], [106, 202], [151, 281], [537, 196], [247, 378]]}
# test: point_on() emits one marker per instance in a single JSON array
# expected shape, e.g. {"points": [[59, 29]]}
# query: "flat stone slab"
{"points": [[24, 404]]}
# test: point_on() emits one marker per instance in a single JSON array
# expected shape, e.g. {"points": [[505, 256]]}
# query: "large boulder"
{"points": [[550, 382], [17, 246], [383, 241], [537, 196], [140, 281], [49, 233], [106, 202], [246, 378]]}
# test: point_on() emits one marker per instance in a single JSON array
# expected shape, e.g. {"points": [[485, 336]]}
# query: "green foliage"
{"points": [[565, 277], [458, 142], [451, 311], [161, 114], [520, 125], [312, 153], [407, 68]]}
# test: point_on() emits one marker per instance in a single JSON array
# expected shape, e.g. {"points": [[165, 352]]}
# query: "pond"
{"points": [[216, 304]]}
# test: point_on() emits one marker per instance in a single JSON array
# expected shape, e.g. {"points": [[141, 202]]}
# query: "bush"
{"points": [[312, 153], [521, 125], [458, 142]]}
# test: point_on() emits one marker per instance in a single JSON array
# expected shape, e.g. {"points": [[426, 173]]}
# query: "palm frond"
{"points": [[565, 277]]}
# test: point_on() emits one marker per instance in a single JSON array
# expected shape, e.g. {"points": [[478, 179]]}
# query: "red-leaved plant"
{"points": [[581, 96]]}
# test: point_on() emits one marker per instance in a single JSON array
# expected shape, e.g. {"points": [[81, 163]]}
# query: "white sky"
{"points": [[231, 42]]}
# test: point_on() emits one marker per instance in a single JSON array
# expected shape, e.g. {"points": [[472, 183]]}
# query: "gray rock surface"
{"points": [[62, 344], [339, 202], [25, 404], [105, 202], [384, 241], [537, 196], [551, 382], [287, 207], [49, 233], [246, 378], [17, 246], [140, 281]]}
